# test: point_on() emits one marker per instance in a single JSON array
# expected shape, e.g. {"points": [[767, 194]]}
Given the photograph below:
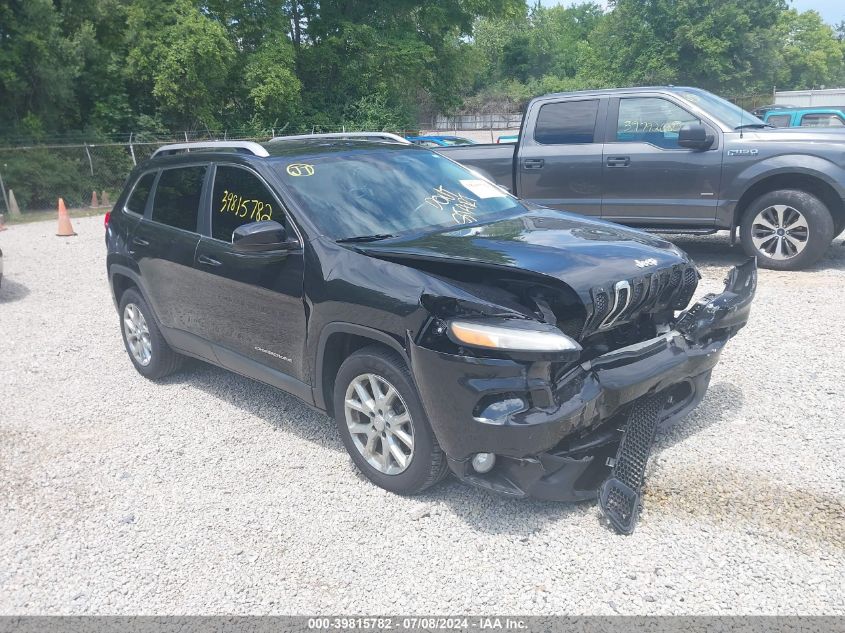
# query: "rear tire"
{"points": [[787, 229], [383, 424], [147, 349], [839, 226]]}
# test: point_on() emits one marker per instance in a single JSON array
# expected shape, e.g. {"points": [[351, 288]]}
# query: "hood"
{"points": [[582, 253], [797, 134]]}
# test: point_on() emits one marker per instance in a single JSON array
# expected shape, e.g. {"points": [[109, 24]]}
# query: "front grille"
{"points": [[669, 288]]}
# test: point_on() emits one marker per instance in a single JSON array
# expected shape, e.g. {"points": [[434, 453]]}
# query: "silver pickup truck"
{"points": [[677, 160]]}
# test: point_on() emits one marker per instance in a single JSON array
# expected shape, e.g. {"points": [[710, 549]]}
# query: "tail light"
{"points": [[106, 219]]}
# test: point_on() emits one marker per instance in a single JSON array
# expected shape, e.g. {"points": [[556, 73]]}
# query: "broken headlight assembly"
{"points": [[514, 336]]}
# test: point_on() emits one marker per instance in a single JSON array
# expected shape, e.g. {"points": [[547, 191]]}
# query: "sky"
{"points": [[832, 11]]}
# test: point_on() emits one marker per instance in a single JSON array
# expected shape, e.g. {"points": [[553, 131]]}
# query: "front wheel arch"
{"points": [[338, 341], [807, 183]]}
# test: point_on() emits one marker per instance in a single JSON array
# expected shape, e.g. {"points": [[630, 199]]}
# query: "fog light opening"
{"points": [[483, 462]]}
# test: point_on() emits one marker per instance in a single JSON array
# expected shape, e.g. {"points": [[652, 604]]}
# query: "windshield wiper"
{"points": [[365, 238], [753, 125]]}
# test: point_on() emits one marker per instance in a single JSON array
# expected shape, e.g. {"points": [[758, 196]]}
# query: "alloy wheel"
{"points": [[137, 334], [780, 232], [379, 423]]}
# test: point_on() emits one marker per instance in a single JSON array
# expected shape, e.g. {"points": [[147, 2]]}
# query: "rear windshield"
{"points": [[390, 191]]}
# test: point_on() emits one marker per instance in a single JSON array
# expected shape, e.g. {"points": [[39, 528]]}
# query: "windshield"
{"points": [[386, 191], [728, 113]]}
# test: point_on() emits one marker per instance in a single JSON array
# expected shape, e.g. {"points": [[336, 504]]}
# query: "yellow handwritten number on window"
{"points": [[240, 206]]}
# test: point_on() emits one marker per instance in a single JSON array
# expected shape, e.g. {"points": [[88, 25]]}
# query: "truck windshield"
{"points": [[728, 113], [375, 193]]}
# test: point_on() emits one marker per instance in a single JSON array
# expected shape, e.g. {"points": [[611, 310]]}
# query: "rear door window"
{"points": [[239, 197], [566, 123], [651, 120], [137, 201], [177, 197]]}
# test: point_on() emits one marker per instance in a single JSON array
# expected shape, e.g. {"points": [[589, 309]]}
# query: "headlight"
{"points": [[511, 335]]}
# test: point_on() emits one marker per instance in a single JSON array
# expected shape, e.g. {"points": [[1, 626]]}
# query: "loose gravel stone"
{"points": [[243, 500]]}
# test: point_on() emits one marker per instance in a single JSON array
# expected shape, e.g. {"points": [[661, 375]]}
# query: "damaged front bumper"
{"points": [[553, 434]]}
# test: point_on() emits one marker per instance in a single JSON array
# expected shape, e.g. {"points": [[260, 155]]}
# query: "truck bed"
{"points": [[493, 160]]}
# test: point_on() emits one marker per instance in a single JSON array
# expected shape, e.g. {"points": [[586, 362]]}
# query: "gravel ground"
{"points": [[211, 493]]}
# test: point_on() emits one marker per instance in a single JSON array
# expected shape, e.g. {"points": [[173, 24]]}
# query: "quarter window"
{"points": [[651, 120], [137, 202], [821, 120], [239, 198], [177, 197], [569, 122]]}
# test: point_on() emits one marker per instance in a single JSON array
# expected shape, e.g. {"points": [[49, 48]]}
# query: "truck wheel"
{"points": [[786, 229], [147, 349], [383, 425]]}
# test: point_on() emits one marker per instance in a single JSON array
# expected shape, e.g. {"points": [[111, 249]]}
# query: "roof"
{"points": [[794, 109], [618, 91], [279, 147]]}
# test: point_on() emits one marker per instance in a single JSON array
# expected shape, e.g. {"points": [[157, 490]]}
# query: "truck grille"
{"points": [[670, 288]]}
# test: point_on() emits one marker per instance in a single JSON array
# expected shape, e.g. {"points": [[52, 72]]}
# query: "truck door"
{"points": [[648, 178], [559, 160]]}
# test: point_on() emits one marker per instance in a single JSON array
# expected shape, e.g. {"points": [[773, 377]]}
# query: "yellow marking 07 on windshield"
{"points": [[300, 169]]}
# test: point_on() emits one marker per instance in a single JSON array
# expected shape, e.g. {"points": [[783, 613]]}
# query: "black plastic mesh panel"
{"points": [[636, 442], [601, 304], [619, 497], [688, 286]]}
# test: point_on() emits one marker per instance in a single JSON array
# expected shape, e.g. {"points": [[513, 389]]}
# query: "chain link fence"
{"points": [[84, 175], [90, 175]]}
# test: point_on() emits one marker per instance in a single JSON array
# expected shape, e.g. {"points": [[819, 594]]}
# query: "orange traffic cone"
{"points": [[94, 201], [65, 228], [2, 222]]}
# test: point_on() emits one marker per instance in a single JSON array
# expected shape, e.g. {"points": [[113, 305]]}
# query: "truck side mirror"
{"points": [[694, 136]]}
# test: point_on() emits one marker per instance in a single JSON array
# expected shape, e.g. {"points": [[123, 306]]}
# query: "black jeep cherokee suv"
{"points": [[442, 322]]}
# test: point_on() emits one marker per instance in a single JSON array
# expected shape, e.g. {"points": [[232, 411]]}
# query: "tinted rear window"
{"points": [[567, 122], [177, 197], [138, 198]]}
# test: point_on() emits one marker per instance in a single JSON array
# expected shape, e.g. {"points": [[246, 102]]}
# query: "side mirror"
{"points": [[257, 237], [694, 136]]}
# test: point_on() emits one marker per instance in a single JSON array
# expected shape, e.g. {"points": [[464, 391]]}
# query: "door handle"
{"points": [[618, 161], [533, 163], [208, 261], [139, 242]]}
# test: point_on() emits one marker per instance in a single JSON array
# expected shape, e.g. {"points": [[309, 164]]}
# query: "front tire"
{"points": [[383, 424], [147, 349], [786, 229]]}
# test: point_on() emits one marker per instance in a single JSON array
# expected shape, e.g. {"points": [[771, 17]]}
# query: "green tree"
{"points": [[812, 53], [727, 45], [272, 84], [38, 66]]}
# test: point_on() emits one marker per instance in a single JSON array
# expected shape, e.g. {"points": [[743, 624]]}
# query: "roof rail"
{"points": [[246, 146], [373, 136]]}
